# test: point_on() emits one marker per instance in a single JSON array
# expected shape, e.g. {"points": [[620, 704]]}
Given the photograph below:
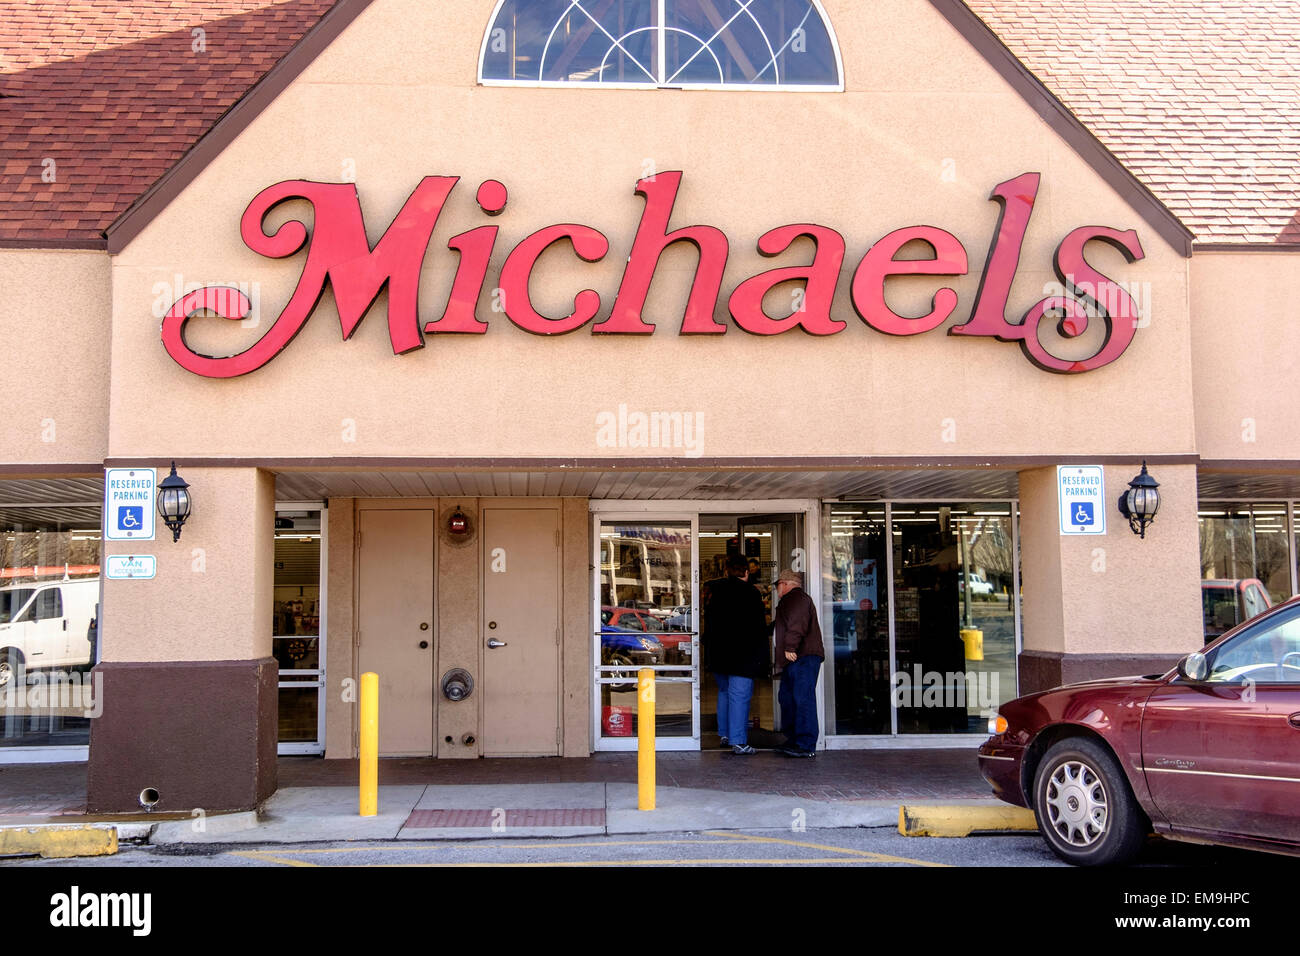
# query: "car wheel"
{"points": [[11, 662], [1086, 811]]}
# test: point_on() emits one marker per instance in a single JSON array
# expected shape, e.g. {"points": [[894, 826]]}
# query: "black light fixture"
{"points": [[1141, 502], [174, 502], [458, 523]]}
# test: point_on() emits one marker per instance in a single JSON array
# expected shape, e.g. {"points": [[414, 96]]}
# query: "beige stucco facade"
{"points": [[907, 143], [1245, 343], [55, 390], [923, 131]]}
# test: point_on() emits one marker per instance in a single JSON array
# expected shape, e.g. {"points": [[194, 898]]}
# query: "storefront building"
{"points": [[483, 332]]}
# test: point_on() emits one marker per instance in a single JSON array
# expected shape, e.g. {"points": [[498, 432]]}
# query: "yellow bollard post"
{"points": [[369, 744], [645, 742]]}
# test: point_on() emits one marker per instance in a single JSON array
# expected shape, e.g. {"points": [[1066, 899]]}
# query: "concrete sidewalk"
{"points": [[422, 799], [299, 815]]}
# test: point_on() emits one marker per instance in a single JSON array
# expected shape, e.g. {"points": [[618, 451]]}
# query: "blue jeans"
{"points": [[798, 699], [734, 694]]}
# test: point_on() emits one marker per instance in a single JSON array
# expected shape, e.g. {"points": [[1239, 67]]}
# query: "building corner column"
{"points": [[189, 684], [1114, 604]]}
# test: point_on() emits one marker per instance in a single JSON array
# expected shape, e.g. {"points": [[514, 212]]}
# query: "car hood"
{"points": [[1131, 681], [1091, 687]]}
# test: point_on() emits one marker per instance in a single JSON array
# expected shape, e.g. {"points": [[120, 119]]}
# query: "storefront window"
{"points": [[932, 650], [1245, 561], [955, 636], [49, 619], [675, 43], [296, 623]]}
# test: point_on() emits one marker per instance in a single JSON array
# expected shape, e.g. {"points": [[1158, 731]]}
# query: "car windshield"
{"points": [[12, 601], [1267, 652]]}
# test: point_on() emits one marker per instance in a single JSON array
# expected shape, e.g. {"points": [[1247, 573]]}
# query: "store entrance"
{"points": [[770, 544], [651, 572]]}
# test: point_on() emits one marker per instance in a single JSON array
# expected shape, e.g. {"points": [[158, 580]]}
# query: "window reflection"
{"points": [[49, 613], [646, 620], [1245, 565]]}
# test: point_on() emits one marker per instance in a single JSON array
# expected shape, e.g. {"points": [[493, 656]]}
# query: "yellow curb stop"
{"points": [[57, 842], [960, 821]]}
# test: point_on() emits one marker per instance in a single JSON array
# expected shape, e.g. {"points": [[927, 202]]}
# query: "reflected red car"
{"points": [[1207, 753]]}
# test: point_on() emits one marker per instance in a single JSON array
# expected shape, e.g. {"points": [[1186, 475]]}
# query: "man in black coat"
{"points": [[733, 640]]}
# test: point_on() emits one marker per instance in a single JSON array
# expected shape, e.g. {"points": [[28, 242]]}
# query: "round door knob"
{"points": [[424, 645]]}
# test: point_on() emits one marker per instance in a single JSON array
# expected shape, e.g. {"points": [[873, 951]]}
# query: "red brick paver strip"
{"points": [[428, 819]]}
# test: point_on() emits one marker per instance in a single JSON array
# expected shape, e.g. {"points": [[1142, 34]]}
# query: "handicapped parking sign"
{"points": [[129, 503], [1081, 493], [130, 518]]}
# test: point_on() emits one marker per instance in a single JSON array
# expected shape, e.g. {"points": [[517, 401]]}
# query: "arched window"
{"points": [[696, 44]]}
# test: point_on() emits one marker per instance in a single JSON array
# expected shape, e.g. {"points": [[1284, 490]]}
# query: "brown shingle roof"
{"points": [[1200, 100], [99, 97]]}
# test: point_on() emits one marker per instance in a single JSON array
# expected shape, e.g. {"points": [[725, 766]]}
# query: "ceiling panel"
{"points": [[704, 484]]}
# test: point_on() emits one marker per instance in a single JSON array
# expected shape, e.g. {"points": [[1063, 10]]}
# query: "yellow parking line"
{"points": [[271, 858], [477, 844], [844, 855], [867, 854], [686, 861]]}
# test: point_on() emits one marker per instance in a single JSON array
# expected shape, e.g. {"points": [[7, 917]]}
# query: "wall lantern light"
{"points": [[174, 502], [1140, 503], [458, 523]]}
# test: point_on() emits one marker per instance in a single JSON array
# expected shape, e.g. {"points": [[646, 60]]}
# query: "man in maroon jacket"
{"points": [[799, 656]]}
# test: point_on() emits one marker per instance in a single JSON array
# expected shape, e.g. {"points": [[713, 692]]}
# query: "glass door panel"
{"points": [[647, 619], [856, 593], [295, 640], [770, 543]]}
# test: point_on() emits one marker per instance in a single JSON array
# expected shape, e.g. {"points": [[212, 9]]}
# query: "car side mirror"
{"points": [[1194, 667]]}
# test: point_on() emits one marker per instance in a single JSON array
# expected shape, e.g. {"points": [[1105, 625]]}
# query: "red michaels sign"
{"points": [[339, 254]]}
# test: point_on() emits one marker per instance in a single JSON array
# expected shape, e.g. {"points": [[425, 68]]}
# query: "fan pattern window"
{"points": [[753, 44]]}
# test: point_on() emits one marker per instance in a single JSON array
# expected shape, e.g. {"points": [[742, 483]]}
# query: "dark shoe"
{"points": [[743, 750], [725, 743], [796, 752]]}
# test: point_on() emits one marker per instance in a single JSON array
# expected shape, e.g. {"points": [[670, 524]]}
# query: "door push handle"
{"points": [[1294, 721], [494, 643]]}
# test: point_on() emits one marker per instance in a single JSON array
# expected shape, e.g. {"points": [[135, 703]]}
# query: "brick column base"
{"points": [[201, 733]]}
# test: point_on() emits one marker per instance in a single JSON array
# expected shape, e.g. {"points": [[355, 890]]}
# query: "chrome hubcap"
{"points": [[1077, 808]]}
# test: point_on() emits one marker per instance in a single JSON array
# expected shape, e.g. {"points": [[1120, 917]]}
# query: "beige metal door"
{"points": [[521, 631], [396, 625]]}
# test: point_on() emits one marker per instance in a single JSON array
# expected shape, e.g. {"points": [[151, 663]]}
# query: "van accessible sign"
{"points": [[129, 503], [1081, 491], [340, 257], [122, 567]]}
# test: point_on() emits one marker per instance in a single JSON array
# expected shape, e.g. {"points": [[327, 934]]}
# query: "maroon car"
{"points": [[1208, 753]]}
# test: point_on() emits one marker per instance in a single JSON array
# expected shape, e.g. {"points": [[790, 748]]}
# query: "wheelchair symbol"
{"points": [[1081, 513], [131, 518]]}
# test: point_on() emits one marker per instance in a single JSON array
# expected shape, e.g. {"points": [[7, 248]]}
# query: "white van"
{"points": [[47, 624]]}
